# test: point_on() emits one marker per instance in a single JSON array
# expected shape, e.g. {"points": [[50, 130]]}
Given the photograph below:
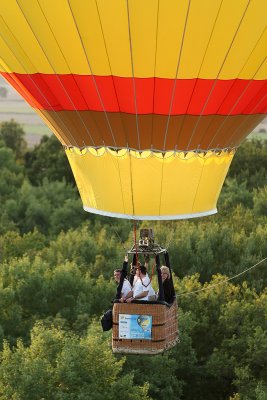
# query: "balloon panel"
{"points": [[191, 182]]}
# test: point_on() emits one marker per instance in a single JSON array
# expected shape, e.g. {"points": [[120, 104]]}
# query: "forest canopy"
{"points": [[56, 280]]}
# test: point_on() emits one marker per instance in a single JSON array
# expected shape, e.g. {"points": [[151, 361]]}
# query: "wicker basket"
{"points": [[164, 334]]}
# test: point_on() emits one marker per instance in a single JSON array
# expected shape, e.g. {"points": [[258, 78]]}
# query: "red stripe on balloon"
{"points": [[153, 95]]}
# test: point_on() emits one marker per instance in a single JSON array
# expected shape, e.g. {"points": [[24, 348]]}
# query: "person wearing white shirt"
{"points": [[141, 286], [126, 287]]}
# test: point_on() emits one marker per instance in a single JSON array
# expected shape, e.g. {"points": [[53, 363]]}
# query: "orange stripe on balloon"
{"points": [[153, 95]]}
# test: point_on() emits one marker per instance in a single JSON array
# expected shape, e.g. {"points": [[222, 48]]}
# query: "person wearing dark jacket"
{"points": [[169, 293]]}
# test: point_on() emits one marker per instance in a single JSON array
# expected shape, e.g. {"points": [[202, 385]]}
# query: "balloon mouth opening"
{"points": [[150, 217]]}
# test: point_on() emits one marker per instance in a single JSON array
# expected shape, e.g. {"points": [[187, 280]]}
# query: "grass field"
{"points": [[13, 107], [35, 132]]}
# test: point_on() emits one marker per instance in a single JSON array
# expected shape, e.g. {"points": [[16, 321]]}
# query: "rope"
{"points": [[34, 84], [222, 282], [171, 103], [133, 76], [235, 104], [231, 138], [51, 64], [120, 239], [93, 77], [217, 77], [176, 76], [155, 63], [136, 253], [202, 62]]}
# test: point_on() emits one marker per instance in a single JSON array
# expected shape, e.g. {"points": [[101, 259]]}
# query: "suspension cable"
{"points": [[222, 282]]}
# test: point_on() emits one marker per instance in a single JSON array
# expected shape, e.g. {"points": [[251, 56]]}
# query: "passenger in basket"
{"points": [[141, 286], [168, 288], [126, 287]]}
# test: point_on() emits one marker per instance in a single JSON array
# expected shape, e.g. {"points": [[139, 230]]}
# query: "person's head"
{"points": [[165, 273], [133, 268], [141, 271], [117, 275]]}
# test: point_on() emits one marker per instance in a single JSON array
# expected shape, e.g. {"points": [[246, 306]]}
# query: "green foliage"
{"points": [[48, 160], [226, 244], [91, 246], [60, 366], [13, 136], [250, 163], [13, 245], [11, 174], [234, 194], [230, 322], [56, 280], [51, 207], [260, 203]]}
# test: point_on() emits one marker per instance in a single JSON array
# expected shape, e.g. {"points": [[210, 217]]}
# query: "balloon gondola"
{"points": [[160, 316]]}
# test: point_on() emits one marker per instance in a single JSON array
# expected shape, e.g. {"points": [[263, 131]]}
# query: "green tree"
{"points": [[60, 366], [13, 245], [13, 136], [48, 160], [260, 201], [50, 207], [250, 163]]}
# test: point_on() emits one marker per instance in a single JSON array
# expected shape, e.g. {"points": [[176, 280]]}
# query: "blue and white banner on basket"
{"points": [[135, 326]]}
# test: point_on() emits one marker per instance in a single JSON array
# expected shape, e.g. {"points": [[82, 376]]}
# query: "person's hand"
{"points": [[129, 300], [122, 300], [126, 258]]}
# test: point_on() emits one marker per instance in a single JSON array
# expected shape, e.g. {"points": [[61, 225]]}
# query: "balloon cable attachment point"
{"points": [[146, 244]]}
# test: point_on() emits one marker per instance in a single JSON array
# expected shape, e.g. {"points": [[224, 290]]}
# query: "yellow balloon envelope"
{"points": [[149, 98]]}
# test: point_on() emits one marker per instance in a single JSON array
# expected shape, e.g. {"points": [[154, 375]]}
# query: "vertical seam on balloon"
{"points": [[56, 75], [198, 184], [131, 181], [203, 58], [32, 80], [29, 75], [85, 53], [171, 103], [133, 77], [131, 177], [75, 109], [217, 77], [176, 75], [122, 122], [120, 181], [93, 76], [229, 114], [240, 96], [161, 183], [125, 132], [154, 88], [120, 112]]}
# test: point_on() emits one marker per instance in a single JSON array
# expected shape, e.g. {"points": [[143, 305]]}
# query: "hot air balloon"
{"points": [[149, 99]]}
